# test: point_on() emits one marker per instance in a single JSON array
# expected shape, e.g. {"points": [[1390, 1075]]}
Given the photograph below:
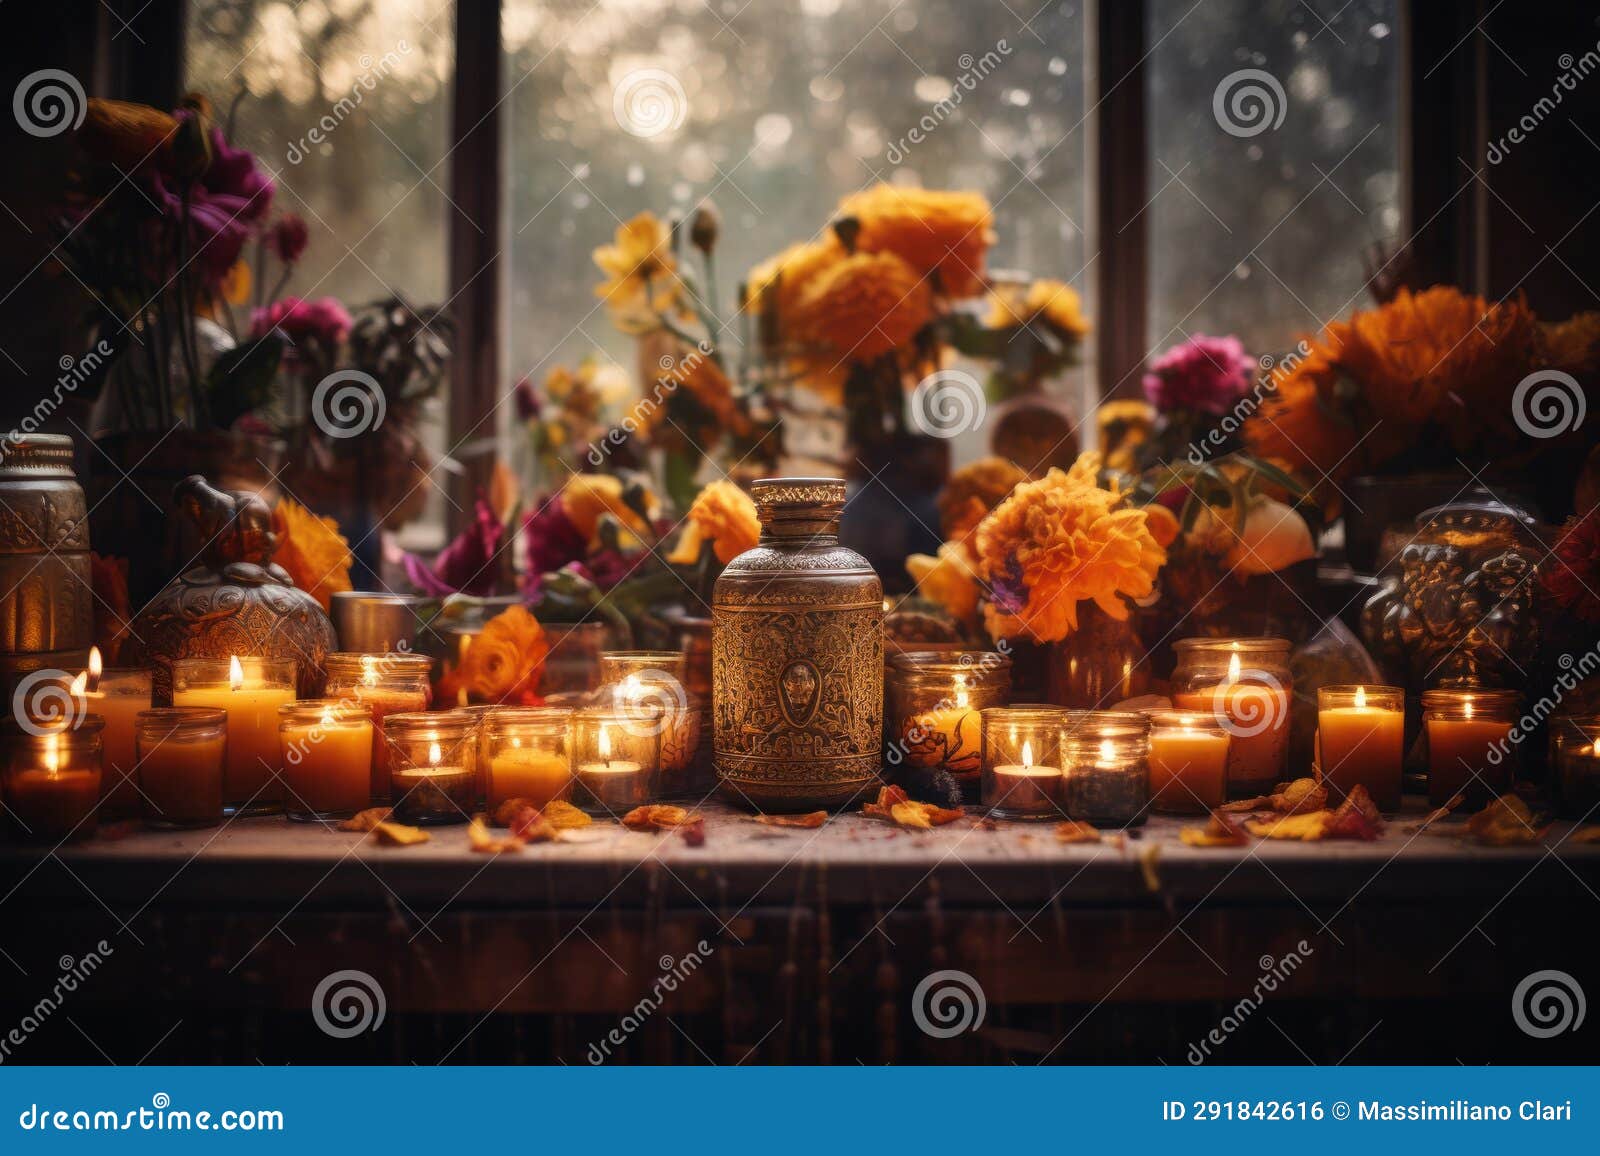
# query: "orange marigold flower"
{"points": [[312, 550], [947, 579], [935, 231], [641, 274], [1055, 303], [787, 274], [124, 134], [706, 382], [586, 498], [1572, 346], [504, 662], [862, 306], [723, 514], [1056, 542], [974, 490]]}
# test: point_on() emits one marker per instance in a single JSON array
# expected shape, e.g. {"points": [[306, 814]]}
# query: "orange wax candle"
{"points": [[53, 804], [1361, 734], [1467, 747], [383, 701], [1256, 718], [950, 737], [326, 746], [1188, 763], [253, 760], [180, 781], [121, 712], [526, 773]]}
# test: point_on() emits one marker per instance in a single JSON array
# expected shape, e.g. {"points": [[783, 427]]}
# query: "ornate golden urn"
{"points": [[797, 657], [237, 602]]}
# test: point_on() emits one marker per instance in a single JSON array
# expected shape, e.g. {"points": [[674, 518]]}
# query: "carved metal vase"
{"points": [[236, 602], [46, 598], [1455, 606], [797, 657]]}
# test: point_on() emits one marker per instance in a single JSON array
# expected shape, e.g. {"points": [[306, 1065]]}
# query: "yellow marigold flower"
{"points": [[788, 273], [974, 490], [641, 274], [934, 231], [586, 498], [1056, 542], [312, 550], [862, 306], [723, 514], [948, 579], [123, 133], [1121, 427], [1055, 303], [1163, 523]]}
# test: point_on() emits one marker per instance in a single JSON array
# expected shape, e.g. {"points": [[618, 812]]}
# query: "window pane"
{"points": [[786, 106], [1258, 225]]}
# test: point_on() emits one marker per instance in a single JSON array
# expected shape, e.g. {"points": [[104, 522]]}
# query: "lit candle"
{"points": [[181, 757], [1467, 743], [434, 793], [613, 784], [327, 758], [946, 736], [383, 700], [519, 772], [432, 776], [117, 696], [1188, 763], [56, 799], [251, 703], [1256, 716], [1023, 787], [1361, 739]]}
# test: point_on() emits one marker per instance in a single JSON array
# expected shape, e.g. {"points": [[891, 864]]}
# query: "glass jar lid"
{"points": [[182, 721]]}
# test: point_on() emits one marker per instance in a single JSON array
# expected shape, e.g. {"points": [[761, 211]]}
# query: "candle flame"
{"points": [[96, 667], [79, 684], [1108, 750], [1027, 753], [52, 753], [1361, 698], [235, 672], [434, 754], [1466, 708], [1233, 667], [605, 744]]}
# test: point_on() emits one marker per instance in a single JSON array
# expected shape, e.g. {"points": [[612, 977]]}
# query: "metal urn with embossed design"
{"points": [[237, 601], [46, 600], [797, 657]]}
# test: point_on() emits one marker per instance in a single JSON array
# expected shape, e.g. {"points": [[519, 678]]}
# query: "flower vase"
{"points": [[1099, 664]]}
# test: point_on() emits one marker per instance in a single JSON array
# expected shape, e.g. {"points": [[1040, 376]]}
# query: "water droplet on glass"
{"points": [[826, 88], [1057, 66], [932, 89]]}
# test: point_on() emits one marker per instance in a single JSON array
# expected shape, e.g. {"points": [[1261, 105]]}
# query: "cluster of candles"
{"points": [[236, 741], [1043, 762]]}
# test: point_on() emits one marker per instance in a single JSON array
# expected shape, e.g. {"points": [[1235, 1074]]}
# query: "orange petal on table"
{"points": [[1308, 827], [479, 839], [1589, 834], [563, 816], [1073, 831], [888, 797], [365, 820], [809, 821], [655, 816], [399, 835], [1220, 831]]}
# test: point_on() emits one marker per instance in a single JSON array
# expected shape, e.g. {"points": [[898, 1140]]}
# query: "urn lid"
{"points": [[777, 492], [35, 454]]}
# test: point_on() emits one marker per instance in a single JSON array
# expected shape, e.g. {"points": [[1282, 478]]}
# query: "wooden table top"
{"points": [[851, 860]]}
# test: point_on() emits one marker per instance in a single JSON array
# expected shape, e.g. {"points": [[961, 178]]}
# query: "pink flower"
{"points": [[1203, 375], [225, 203], [467, 565], [323, 321], [287, 238]]}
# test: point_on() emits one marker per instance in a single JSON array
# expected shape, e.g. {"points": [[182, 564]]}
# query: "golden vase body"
{"points": [[797, 657]]}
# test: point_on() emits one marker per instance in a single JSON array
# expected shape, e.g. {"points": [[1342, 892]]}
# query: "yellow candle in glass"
{"points": [[181, 759], [253, 759], [56, 799], [1361, 736], [326, 747], [1188, 763], [951, 735], [524, 773]]}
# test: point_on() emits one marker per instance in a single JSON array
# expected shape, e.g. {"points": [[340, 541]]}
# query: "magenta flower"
{"points": [[288, 237], [552, 540], [1202, 375], [226, 202], [467, 565], [323, 321]]}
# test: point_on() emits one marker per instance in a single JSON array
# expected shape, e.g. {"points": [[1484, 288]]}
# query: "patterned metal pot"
{"points": [[46, 599]]}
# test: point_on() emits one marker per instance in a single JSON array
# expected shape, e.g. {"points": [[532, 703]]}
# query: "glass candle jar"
{"points": [[326, 746], [52, 778], [1188, 762], [1106, 759], [1575, 765], [1361, 738], [572, 664], [934, 700], [614, 759], [384, 683], [1022, 774], [249, 691], [1246, 684], [182, 764], [1468, 747], [646, 681], [479, 714], [430, 766], [527, 754], [118, 696]]}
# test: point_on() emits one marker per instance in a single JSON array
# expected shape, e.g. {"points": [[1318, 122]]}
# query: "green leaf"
{"points": [[681, 467], [241, 379]]}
